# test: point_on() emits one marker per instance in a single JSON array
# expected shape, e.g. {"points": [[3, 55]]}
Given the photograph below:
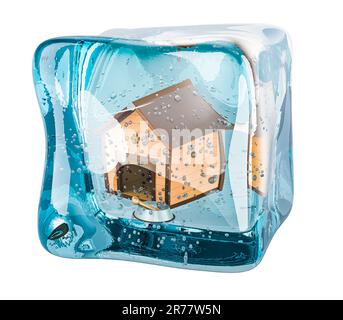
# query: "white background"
{"points": [[305, 258]]}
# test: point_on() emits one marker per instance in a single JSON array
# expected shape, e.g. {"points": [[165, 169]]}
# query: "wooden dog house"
{"points": [[180, 169]]}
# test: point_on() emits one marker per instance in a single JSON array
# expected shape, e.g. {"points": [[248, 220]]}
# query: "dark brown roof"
{"points": [[177, 107], [120, 116]]}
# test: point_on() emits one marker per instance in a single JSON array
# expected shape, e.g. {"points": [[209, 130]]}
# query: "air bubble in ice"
{"points": [[177, 98], [185, 258]]}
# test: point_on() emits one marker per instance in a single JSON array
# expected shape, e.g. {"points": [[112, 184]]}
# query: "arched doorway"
{"points": [[134, 180]]}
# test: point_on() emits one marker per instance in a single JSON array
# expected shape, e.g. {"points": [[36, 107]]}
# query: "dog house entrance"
{"points": [[134, 180]]}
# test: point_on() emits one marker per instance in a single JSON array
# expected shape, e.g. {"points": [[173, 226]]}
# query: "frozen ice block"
{"points": [[170, 146]]}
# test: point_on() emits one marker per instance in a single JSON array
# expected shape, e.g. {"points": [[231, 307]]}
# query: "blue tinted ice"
{"points": [[170, 146]]}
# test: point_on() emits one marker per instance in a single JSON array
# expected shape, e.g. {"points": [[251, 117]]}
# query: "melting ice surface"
{"points": [[83, 83]]}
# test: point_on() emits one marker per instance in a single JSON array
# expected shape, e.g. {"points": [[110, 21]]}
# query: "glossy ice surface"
{"points": [[240, 73]]}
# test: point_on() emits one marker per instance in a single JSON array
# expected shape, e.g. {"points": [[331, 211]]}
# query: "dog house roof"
{"points": [[177, 107]]}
